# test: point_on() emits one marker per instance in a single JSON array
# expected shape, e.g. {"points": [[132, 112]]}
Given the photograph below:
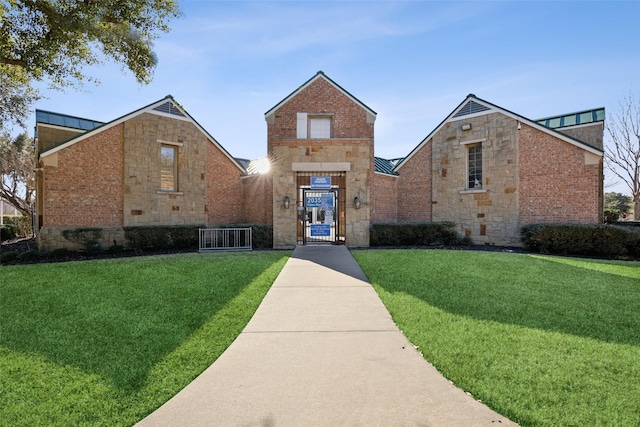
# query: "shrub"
{"points": [[7, 232], [261, 234], [21, 224], [416, 234], [60, 253], [28, 255], [87, 238], [611, 216], [8, 256], [588, 240], [162, 237]]}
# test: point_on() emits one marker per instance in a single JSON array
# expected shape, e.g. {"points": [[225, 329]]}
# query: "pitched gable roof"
{"points": [[166, 106], [319, 75], [473, 106]]}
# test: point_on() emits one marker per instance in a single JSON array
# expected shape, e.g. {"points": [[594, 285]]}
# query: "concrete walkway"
{"points": [[322, 350]]}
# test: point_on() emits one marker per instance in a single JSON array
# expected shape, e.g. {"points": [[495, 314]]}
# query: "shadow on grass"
{"points": [[534, 292], [119, 318]]}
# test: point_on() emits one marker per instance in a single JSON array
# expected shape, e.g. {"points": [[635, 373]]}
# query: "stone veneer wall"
{"points": [[83, 187], [559, 182], [592, 133], [488, 215], [359, 155], [384, 198], [144, 203], [351, 142]]}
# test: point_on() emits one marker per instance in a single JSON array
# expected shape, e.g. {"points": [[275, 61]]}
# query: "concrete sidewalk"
{"points": [[322, 350]]}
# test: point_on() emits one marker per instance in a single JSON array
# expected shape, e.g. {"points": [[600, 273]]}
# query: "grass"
{"points": [[545, 341], [106, 342]]}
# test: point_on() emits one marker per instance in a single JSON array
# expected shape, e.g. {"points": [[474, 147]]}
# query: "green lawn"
{"points": [[545, 341], [106, 342]]}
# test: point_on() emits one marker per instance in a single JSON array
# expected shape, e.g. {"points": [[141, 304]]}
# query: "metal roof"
{"points": [[57, 119], [573, 119], [385, 165]]}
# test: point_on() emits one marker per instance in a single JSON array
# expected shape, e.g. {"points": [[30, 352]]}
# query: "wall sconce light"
{"points": [[466, 126], [356, 202], [286, 201]]}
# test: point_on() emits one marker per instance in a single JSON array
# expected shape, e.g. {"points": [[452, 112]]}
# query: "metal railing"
{"points": [[221, 239]]}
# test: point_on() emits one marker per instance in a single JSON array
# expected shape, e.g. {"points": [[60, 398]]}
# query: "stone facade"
{"points": [[349, 149], [529, 175], [488, 214], [110, 177], [144, 202]]}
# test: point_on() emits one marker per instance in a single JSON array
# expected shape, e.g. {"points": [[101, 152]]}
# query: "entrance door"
{"points": [[320, 221]]}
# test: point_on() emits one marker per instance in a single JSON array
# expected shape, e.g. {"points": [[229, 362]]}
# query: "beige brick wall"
{"points": [[559, 182]]}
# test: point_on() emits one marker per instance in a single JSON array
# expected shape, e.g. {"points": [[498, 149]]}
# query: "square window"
{"points": [[320, 127], [168, 168]]}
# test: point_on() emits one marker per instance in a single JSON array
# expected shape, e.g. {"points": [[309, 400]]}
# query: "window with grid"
{"points": [[474, 171], [168, 168], [320, 127]]}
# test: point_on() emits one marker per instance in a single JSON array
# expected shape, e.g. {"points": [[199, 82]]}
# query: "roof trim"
{"points": [[496, 109], [318, 75], [146, 109]]}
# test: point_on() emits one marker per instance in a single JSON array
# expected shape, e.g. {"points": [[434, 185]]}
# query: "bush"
{"points": [[21, 223], [8, 232], [587, 240], [8, 256], [611, 216], [87, 238], [162, 237], [416, 234], [261, 234], [60, 253], [28, 255]]}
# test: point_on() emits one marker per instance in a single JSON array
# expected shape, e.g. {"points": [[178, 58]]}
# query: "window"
{"points": [[475, 166], [317, 126], [168, 168], [320, 127]]}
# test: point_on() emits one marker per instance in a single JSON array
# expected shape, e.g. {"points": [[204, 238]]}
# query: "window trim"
{"points": [[303, 124], [468, 147], [175, 148]]}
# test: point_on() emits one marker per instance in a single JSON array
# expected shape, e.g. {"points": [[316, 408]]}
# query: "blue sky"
{"points": [[412, 62]]}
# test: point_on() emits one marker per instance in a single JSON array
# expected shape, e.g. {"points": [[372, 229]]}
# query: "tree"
{"points": [[622, 154], [54, 40], [615, 204], [17, 170]]}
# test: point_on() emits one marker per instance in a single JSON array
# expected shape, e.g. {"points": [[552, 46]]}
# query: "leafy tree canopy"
{"points": [[55, 39], [617, 202], [17, 171]]}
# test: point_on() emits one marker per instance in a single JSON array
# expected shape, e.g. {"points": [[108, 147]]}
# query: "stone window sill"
{"points": [[175, 193], [473, 191]]}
